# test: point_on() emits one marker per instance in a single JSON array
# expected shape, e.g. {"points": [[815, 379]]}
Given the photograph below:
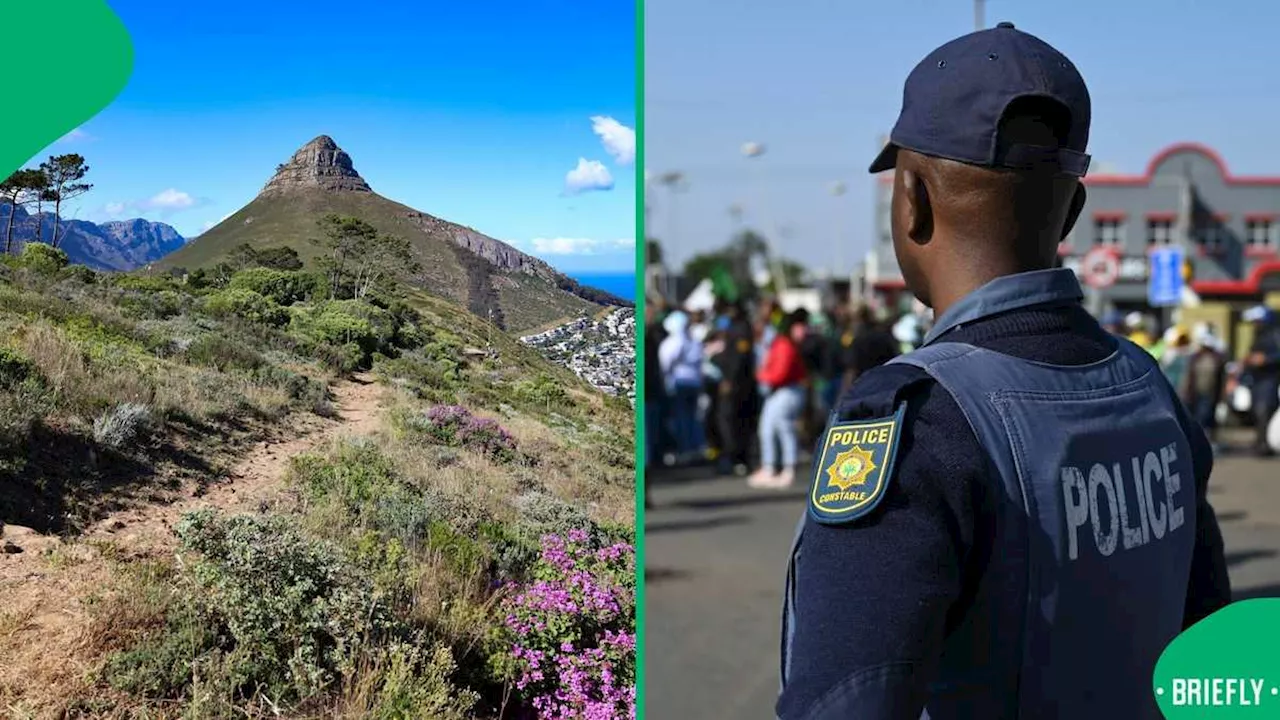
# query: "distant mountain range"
{"points": [[117, 245]]}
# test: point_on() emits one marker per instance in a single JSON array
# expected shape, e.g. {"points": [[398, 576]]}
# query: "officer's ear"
{"points": [[1077, 206], [919, 208]]}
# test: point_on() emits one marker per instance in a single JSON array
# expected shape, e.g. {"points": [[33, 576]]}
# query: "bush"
{"points": [[309, 392], [223, 354], [284, 287], [543, 392], [15, 369], [43, 259], [246, 304], [456, 426], [121, 425], [160, 305], [296, 612], [571, 631], [344, 322]]}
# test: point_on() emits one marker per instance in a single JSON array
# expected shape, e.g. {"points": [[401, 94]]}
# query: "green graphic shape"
{"points": [[1225, 666], [82, 56]]}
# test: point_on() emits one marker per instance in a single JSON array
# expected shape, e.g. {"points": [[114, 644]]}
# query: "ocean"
{"points": [[622, 285]]}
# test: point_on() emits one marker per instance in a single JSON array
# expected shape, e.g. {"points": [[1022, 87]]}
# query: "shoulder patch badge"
{"points": [[854, 468], [744, 346]]}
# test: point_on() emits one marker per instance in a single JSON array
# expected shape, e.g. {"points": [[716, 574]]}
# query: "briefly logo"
{"points": [[854, 469], [850, 468]]}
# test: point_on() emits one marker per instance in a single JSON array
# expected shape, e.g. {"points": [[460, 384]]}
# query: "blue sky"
{"points": [[818, 82], [474, 112]]}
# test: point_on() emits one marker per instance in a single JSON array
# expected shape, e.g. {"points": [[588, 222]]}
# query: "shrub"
{"points": [[43, 259], [571, 631], [15, 369], [284, 287], [160, 305], [455, 425], [121, 425], [144, 283], [342, 322], [311, 393], [297, 614], [542, 391], [81, 274], [246, 304], [223, 354]]}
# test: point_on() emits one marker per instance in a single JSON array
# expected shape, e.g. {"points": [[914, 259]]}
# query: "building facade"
{"points": [[1228, 226]]}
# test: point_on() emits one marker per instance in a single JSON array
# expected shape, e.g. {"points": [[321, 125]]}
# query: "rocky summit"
{"points": [[319, 164]]}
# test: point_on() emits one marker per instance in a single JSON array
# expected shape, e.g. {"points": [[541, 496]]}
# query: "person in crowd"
{"points": [[699, 327], [1205, 379], [1135, 326], [680, 357], [655, 393], [736, 404], [713, 348], [783, 378], [1263, 365], [871, 346], [813, 351], [1176, 349], [1113, 322]]}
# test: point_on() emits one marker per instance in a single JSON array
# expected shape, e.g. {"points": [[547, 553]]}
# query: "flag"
{"points": [[722, 284]]}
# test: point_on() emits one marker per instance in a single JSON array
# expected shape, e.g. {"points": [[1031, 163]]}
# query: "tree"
{"points": [[17, 190], [64, 173], [280, 258], [382, 256], [652, 252], [345, 236]]}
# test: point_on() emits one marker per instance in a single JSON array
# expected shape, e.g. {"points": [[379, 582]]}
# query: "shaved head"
{"points": [[957, 226]]}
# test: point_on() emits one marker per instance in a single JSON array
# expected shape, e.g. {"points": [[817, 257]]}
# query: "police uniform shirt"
{"points": [[877, 598]]}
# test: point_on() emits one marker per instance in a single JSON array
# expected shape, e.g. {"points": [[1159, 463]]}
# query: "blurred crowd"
{"points": [[748, 386]]}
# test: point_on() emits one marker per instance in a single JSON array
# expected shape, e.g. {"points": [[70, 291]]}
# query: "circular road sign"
{"points": [[1100, 267]]}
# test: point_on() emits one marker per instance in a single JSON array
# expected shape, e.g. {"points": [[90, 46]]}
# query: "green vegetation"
{"points": [[377, 583]]}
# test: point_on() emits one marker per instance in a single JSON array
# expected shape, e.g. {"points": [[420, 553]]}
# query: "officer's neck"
{"points": [[963, 278]]}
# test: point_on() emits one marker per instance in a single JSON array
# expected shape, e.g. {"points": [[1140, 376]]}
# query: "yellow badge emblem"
{"points": [[850, 468], [854, 468], [743, 346]]}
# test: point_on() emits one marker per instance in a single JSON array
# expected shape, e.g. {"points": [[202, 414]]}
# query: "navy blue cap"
{"points": [[954, 100]]}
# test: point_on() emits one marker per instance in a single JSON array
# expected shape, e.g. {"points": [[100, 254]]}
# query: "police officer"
{"points": [[1011, 521]]}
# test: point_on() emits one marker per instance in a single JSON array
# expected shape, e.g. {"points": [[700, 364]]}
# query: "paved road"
{"points": [[716, 552]]}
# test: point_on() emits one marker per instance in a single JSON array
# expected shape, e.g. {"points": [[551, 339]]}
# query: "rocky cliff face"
{"points": [[496, 252], [120, 245], [318, 164]]}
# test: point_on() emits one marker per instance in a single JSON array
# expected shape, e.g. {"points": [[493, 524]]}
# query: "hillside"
{"points": [[488, 277], [115, 245], [248, 497]]}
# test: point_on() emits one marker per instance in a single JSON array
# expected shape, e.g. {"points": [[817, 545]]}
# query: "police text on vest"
{"points": [[1217, 691], [1137, 497]]}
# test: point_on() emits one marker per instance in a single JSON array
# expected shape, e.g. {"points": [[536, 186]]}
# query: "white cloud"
{"points": [[115, 209], [170, 199], [578, 246], [618, 139], [589, 175]]}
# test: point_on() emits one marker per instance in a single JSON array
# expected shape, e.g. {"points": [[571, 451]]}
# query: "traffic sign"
{"points": [[1165, 287], [1100, 267]]}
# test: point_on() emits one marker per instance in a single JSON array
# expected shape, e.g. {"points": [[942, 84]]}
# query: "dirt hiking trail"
{"points": [[45, 627]]}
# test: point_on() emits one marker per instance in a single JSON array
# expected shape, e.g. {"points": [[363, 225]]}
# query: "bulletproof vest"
{"points": [[1095, 524]]}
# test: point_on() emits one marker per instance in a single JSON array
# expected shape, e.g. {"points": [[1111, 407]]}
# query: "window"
{"points": [[1159, 232], [1211, 237], [1108, 232], [1259, 233]]}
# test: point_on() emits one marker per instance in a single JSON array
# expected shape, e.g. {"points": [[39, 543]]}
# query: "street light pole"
{"points": [[837, 190], [753, 151]]}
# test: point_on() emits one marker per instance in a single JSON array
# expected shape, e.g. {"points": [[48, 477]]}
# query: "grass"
{"points": [[373, 588]]}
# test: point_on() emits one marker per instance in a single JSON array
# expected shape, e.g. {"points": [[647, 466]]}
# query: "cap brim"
{"points": [[886, 160]]}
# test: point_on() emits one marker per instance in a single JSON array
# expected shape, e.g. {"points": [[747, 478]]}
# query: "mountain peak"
{"points": [[318, 164]]}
